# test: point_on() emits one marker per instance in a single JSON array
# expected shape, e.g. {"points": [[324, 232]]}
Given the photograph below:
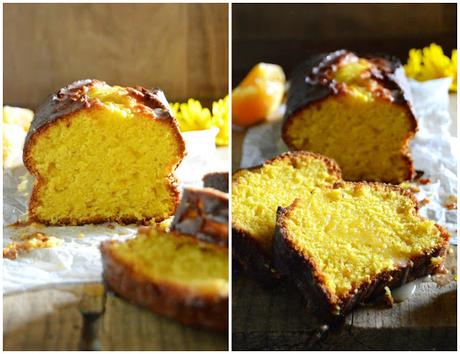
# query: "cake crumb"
{"points": [[28, 242], [424, 181], [143, 230], [451, 202], [424, 202], [80, 235], [410, 187], [22, 186], [388, 299], [111, 226]]}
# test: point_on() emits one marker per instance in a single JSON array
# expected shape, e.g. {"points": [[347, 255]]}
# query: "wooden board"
{"points": [[84, 317], [277, 319]]}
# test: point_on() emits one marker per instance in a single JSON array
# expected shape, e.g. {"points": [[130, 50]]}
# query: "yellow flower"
{"points": [[431, 63], [193, 116], [220, 120]]}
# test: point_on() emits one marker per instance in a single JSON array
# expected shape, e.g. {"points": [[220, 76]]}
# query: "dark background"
{"points": [[286, 34]]}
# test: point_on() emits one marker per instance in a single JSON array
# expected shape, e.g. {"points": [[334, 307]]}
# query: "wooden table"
{"points": [[85, 317], [277, 319]]}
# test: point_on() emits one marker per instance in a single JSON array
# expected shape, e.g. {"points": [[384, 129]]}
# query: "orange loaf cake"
{"points": [[171, 274], [356, 110], [103, 153], [344, 245], [256, 194]]}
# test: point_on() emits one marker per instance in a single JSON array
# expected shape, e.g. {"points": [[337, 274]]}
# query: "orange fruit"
{"points": [[258, 95]]}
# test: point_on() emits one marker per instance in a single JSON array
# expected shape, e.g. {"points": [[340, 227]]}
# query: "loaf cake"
{"points": [[103, 153], [256, 194], [356, 110], [203, 213], [343, 245], [171, 274], [216, 180]]}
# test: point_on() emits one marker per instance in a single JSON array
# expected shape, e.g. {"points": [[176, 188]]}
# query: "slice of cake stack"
{"points": [[341, 242]]}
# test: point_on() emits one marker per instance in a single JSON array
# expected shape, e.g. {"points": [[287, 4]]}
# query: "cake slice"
{"points": [[203, 213], [356, 110], [171, 274], [103, 153], [343, 245], [256, 194]]}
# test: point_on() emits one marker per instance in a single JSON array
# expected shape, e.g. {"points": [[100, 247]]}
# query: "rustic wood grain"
{"points": [[84, 317], [181, 48], [277, 319], [129, 327], [42, 320]]}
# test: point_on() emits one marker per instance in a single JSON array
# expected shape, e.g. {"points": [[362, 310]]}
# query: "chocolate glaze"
{"points": [[216, 180], [203, 213], [312, 80], [74, 97]]}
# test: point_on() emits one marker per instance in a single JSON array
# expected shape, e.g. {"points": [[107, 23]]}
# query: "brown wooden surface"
{"points": [[286, 34], [181, 48], [83, 317], [277, 319]]}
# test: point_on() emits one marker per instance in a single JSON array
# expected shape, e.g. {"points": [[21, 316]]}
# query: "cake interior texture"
{"points": [[111, 161], [176, 260], [355, 232], [257, 193], [359, 127]]}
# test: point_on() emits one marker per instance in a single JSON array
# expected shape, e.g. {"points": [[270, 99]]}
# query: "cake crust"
{"points": [[67, 102], [312, 83], [246, 248], [167, 299], [203, 213], [303, 271]]}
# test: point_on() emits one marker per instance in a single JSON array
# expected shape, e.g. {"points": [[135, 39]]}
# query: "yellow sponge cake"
{"points": [[343, 245], [103, 153], [171, 274], [256, 194]]}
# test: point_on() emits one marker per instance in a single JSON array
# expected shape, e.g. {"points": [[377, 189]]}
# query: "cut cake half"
{"points": [[342, 246], [171, 274], [256, 194], [103, 153], [356, 110]]}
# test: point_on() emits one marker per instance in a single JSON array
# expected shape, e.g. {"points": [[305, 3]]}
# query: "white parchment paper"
{"points": [[434, 149], [77, 259]]}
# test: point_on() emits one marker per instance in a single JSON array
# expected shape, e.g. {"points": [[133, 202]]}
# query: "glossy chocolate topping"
{"points": [[313, 80], [74, 97]]}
